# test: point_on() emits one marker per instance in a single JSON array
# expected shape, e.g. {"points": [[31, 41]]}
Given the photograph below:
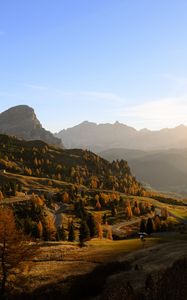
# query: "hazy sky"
{"points": [[96, 60]]}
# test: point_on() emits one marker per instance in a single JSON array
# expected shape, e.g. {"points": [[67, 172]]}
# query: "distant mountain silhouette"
{"points": [[101, 137], [21, 121], [164, 170]]}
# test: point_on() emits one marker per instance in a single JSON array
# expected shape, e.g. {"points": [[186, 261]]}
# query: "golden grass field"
{"points": [[61, 260]]}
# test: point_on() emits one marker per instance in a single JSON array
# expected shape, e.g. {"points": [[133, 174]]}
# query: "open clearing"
{"points": [[59, 260]]}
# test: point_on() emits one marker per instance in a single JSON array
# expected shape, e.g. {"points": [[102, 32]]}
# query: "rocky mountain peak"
{"points": [[18, 116], [21, 121]]}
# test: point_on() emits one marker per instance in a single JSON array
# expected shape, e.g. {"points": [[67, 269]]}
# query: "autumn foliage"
{"points": [[15, 248]]}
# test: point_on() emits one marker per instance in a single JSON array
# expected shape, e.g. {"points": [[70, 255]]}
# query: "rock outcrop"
{"points": [[21, 121]]}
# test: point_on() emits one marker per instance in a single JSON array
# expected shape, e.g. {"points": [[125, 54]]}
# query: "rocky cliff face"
{"points": [[21, 121]]}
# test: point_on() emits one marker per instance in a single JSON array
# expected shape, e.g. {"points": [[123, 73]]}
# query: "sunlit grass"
{"points": [[105, 249], [180, 212]]}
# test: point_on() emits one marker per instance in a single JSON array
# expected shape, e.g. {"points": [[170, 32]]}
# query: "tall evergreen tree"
{"points": [[80, 209], [61, 234], [84, 233], [71, 232], [13, 188], [149, 226], [92, 225], [34, 230], [142, 226]]}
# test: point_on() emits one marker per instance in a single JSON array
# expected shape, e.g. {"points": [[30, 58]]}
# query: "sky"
{"points": [[96, 60]]}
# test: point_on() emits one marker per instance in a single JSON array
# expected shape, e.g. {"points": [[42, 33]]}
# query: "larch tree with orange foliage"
{"points": [[49, 228], [100, 231], [15, 248], [109, 232], [37, 200], [1, 196], [98, 220], [40, 229], [98, 205], [128, 210], [65, 197], [136, 211]]}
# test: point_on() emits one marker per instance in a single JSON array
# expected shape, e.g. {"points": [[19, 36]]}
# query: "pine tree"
{"points": [[20, 187], [80, 209], [149, 226], [71, 233], [84, 233], [157, 223], [92, 225], [142, 226], [61, 234], [34, 230], [13, 188]]}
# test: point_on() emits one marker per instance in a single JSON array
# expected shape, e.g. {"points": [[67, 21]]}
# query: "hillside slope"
{"points": [[163, 170], [36, 158]]}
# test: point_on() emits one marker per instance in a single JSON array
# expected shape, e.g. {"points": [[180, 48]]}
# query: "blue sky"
{"points": [[96, 60]]}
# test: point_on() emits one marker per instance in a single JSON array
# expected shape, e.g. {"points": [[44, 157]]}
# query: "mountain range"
{"points": [[157, 158], [164, 170], [21, 121], [88, 135]]}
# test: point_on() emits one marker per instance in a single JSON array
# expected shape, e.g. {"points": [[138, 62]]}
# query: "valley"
{"points": [[163, 170], [61, 263], [93, 150], [86, 214]]}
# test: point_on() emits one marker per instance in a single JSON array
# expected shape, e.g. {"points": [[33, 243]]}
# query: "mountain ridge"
{"points": [[77, 166], [21, 121], [100, 137]]}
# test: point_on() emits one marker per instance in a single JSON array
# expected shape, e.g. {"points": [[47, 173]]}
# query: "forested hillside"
{"points": [[36, 158]]}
